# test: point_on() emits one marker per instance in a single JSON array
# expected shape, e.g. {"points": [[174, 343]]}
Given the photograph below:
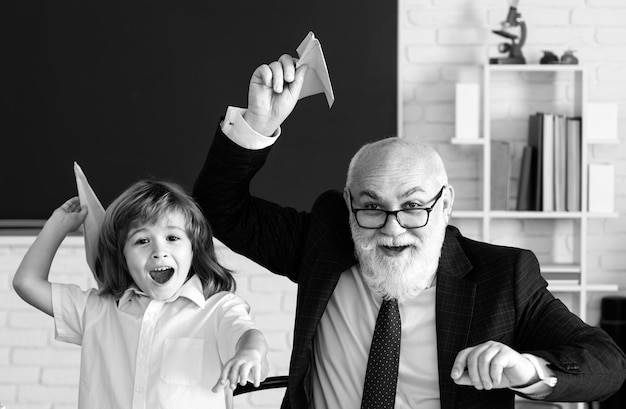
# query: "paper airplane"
{"points": [[95, 216], [316, 79]]}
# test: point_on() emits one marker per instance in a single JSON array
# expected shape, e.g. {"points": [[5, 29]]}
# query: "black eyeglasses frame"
{"points": [[395, 212]]}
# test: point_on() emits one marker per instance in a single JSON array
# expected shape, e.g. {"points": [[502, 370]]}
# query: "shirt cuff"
{"points": [[547, 379], [237, 130]]}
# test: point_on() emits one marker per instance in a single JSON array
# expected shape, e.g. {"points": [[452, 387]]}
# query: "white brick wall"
{"points": [[441, 42], [35, 370]]}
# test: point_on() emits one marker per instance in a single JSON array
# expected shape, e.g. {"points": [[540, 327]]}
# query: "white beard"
{"points": [[403, 277]]}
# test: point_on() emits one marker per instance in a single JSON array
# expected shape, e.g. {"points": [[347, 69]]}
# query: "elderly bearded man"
{"points": [[474, 321]]}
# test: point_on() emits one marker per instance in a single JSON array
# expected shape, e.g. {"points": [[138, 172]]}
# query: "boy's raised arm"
{"points": [[31, 279]]}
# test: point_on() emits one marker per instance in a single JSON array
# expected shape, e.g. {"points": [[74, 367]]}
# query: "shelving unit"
{"points": [[570, 99], [569, 85]]}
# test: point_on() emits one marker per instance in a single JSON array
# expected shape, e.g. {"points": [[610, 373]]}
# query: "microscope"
{"points": [[514, 47]]}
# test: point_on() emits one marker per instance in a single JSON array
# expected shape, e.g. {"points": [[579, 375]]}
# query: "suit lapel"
{"points": [[321, 283], [322, 266], [454, 309], [332, 257]]}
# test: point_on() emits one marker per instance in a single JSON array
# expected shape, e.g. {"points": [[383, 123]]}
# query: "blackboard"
{"points": [[135, 89]]}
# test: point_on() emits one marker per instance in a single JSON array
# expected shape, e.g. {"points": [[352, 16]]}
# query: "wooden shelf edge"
{"points": [[459, 141], [536, 67], [521, 214], [587, 287]]}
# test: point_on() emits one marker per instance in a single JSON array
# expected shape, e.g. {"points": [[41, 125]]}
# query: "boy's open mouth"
{"points": [[162, 275]]}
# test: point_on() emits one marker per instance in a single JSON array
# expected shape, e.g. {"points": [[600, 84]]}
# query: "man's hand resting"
{"points": [[492, 365]]}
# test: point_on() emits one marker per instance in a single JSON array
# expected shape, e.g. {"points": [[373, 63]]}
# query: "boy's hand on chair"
{"points": [[248, 365]]}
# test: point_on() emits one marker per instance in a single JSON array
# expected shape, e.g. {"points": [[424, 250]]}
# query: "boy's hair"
{"points": [[144, 203]]}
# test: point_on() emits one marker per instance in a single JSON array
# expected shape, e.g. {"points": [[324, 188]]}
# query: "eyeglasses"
{"points": [[407, 218]]}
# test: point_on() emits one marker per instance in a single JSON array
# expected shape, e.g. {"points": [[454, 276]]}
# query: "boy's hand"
{"points": [[273, 94], [246, 365], [69, 216]]}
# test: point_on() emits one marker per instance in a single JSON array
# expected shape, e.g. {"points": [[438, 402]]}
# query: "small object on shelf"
{"points": [[467, 111], [549, 58], [601, 193], [514, 48], [602, 122], [568, 57]]}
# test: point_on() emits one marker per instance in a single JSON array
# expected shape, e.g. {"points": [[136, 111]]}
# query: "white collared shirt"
{"points": [[342, 344], [148, 354]]}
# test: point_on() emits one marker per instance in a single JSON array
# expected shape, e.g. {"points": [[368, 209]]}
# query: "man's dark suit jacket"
{"points": [[484, 292]]}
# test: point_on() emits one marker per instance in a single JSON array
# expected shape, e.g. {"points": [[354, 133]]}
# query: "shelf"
{"points": [[467, 214], [602, 287], [505, 214], [571, 278], [564, 288], [512, 214], [536, 68], [595, 142], [473, 141], [560, 268], [607, 215], [588, 287]]}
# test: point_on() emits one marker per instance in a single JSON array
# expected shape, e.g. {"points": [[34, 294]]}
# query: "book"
{"points": [[500, 174], [560, 166], [547, 179], [525, 189], [573, 164], [535, 141]]}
